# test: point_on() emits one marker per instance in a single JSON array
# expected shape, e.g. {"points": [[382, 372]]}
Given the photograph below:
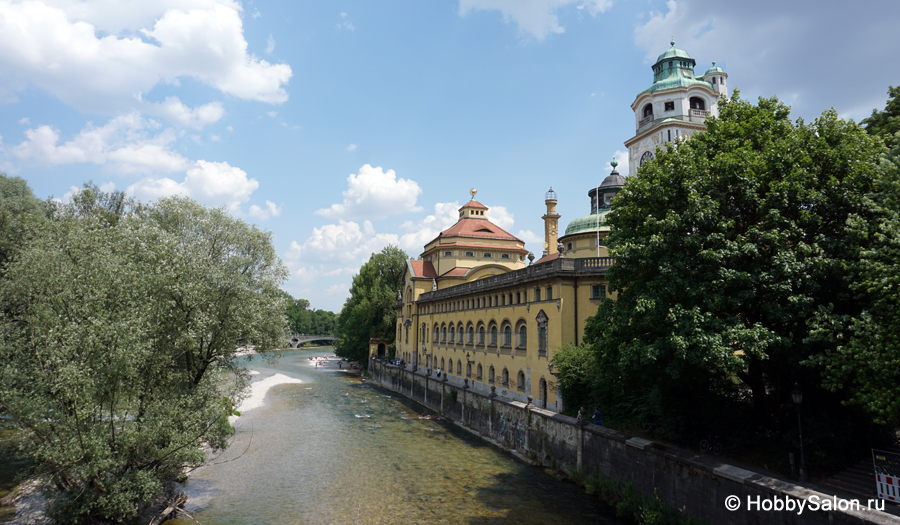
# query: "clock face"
{"points": [[645, 157]]}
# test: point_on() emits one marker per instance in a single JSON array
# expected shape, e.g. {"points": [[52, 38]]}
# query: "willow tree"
{"points": [[118, 350], [727, 246]]}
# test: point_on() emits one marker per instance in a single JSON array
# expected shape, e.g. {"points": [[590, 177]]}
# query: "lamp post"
{"points": [[797, 395]]}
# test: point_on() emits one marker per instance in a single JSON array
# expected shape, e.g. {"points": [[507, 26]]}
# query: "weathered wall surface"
{"points": [[700, 484]]}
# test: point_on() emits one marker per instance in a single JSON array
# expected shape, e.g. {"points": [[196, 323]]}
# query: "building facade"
{"points": [[474, 311]]}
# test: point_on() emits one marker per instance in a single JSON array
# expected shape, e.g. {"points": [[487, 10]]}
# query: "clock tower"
{"points": [[675, 106]]}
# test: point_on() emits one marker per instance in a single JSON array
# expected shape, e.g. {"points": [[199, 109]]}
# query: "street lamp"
{"points": [[797, 395]]}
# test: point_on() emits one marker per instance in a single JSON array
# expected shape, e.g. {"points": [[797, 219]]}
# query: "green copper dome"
{"points": [[714, 69], [673, 52], [589, 223], [675, 82]]}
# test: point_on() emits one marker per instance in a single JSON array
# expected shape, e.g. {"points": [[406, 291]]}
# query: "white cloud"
{"points": [[351, 147], [774, 48], [421, 232], [375, 194], [229, 128], [24, 121], [345, 23], [86, 53], [341, 288], [270, 45], [530, 237], [335, 249], [175, 111], [535, 17], [256, 13], [500, 216], [215, 138], [271, 210], [127, 143], [211, 183], [272, 114]]}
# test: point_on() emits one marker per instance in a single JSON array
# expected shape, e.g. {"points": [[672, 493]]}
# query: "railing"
{"points": [[589, 264], [694, 115]]}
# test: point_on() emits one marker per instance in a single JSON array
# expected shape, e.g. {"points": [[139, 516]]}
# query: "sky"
{"points": [[345, 126]]}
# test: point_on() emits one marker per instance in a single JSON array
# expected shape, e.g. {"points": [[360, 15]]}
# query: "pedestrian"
{"points": [[597, 417]]}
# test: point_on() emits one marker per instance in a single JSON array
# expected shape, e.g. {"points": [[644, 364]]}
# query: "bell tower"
{"points": [[675, 106], [551, 223]]}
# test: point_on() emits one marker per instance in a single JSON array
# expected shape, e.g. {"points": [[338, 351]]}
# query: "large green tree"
{"points": [[727, 245], [863, 355], [118, 351], [22, 215], [370, 309]]}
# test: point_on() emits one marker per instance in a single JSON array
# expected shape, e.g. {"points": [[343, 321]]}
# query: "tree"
{"points": [[575, 365], [370, 309], [886, 124], [726, 246], [22, 215], [863, 355], [118, 352]]}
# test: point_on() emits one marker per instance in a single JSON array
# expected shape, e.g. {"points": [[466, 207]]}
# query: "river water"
{"points": [[333, 449]]}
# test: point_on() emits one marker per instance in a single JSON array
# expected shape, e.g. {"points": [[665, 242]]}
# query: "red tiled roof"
{"points": [[480, 228], [474, 204], [422, 269], [547, 258], [499, 247], [457, 272]]}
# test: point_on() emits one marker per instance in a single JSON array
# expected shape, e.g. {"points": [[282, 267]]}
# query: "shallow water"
{"points": [[333, 449]]}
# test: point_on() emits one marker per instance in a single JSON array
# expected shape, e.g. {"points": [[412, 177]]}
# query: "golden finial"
{"points": [[472, 192]]}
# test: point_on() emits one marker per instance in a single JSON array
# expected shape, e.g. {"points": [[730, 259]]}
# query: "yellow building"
{"points": [[473, 309]]}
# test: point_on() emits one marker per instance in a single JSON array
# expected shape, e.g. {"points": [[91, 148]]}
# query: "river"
{"points": [[332, 449]]}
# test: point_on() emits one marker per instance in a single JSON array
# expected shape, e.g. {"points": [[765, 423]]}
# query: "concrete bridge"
{"points": [[296, 340]]}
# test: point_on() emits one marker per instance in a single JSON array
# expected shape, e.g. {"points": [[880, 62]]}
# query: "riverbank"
{"points": [[684, 479]]}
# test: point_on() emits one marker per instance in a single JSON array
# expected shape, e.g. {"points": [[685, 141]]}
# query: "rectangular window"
{"points": [[569, 247], [487, 255], [448, 254], [537, 294], [470, 254], [549, 293], [518, 298], [670, 106], [598, 291], [504, 256]]}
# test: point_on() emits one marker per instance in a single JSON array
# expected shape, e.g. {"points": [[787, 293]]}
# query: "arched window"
{"points": [[459, 340], [520, 381], [478, 377], [523, 336], [714, 80], [443, 333], [491, 374], [471, 335], [452, 335], [424, 333], [505, 378], [437, 333], [481, 335], [458, 367], [648, 110], [494, 335], [697, 103], [468, 369], [442, 363], [507, 336]]}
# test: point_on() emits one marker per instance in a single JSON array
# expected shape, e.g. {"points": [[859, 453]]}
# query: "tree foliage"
{"points": [[370, 309], [727, 246], [863, 355], [21, 216], [575, 365], [118, 351], [305, 320]]}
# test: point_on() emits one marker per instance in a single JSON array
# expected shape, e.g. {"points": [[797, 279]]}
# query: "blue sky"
{"points": [[345, 126]]}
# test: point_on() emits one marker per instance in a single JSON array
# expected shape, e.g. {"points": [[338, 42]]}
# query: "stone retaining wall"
{"points": [[698, 483]]}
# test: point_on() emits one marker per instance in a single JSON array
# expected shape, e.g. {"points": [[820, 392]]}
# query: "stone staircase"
{"points": [[857, 482]]}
